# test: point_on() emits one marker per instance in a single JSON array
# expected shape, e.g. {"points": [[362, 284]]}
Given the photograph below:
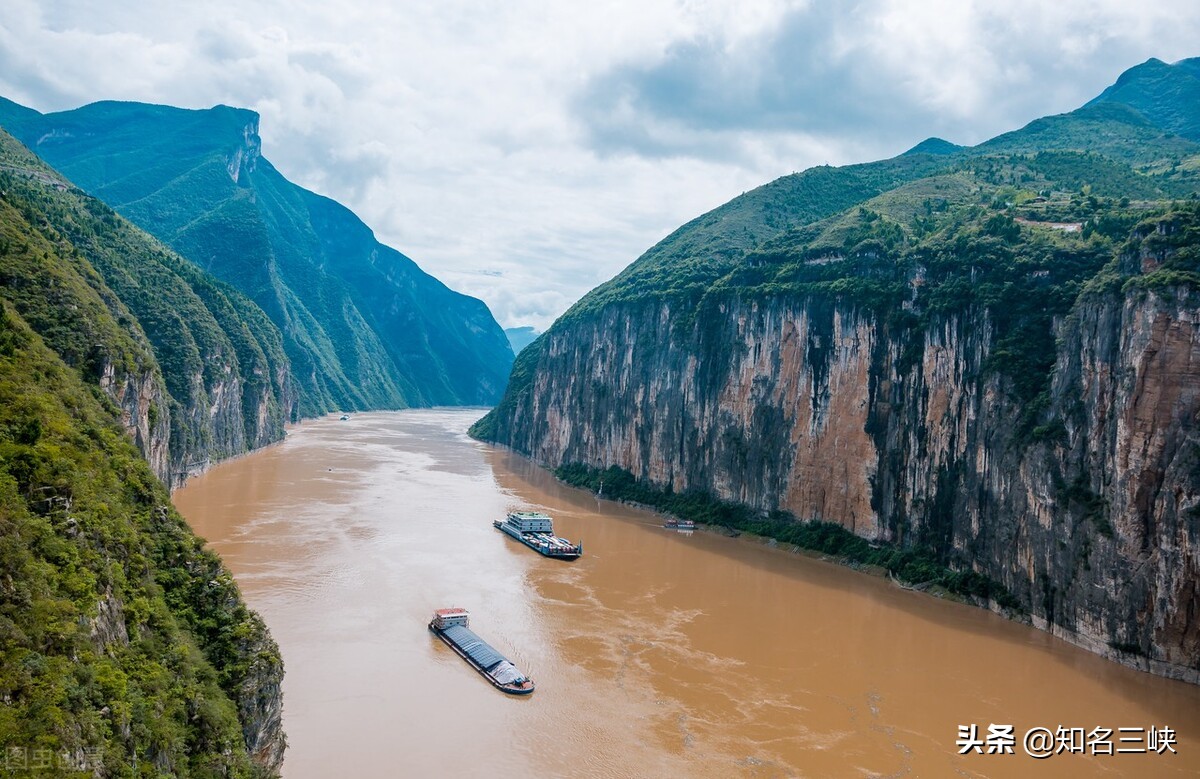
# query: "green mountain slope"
{"points": [[362, 325], [686, 262], [1108, 147], [1045, 171], [974, 367], [122, 641], [118, 305], [1167, 95], [1149, 118]]}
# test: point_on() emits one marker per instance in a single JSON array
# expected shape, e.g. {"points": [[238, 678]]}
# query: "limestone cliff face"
{"points": [[209, 427], [143, 401], [244, 158], [217, 415], [820, 409], [260, 702], [1130, 394], [769, 408]]}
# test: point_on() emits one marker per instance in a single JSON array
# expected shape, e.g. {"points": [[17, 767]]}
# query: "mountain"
{"points": [[1168, 96], [520, 337], [126, 364], [196, 368], [124, 639], [121, 365], [934, 146], [362, 325], [974, 367]]}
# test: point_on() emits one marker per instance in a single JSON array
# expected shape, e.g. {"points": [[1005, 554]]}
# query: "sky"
{"points": [[524, 152]]}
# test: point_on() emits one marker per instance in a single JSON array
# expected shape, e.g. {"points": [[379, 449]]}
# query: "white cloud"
{"points": [[553, 143]]}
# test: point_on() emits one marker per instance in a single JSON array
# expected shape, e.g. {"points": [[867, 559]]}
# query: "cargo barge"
{"points": [[536, 531], [451, 626]]}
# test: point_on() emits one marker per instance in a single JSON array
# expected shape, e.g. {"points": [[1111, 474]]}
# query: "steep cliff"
{"points": [[362, 325], [989, 368]]}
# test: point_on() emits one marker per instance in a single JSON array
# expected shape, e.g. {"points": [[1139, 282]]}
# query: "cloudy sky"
{"points": [[523, 152]]}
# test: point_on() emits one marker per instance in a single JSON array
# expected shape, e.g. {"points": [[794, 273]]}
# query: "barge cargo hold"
{"points": [[536, 531], [451, 626]]}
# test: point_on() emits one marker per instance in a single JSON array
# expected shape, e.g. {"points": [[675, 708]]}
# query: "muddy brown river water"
{"points": [[656, 654]]}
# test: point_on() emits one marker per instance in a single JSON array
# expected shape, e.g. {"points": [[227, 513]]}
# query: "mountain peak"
{"points": [[933, 145], [1167, 95]]}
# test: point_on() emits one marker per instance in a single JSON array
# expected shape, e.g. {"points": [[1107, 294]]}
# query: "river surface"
{"points": [[656, 654]]}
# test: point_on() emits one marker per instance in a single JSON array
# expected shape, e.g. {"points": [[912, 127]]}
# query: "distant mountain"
{"points": [[1168, 96], [363, 326], [934, 146], [974, 367], [520, 337]]}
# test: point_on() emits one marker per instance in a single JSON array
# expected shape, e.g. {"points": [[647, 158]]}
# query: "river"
{"points": [[656, 654]]}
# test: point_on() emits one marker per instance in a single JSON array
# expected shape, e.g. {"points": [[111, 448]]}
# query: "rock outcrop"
{"points": [[260, 702], [143, 401]]}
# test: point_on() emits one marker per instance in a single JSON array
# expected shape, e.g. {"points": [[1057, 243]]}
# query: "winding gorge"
{"points": [[972, 371], [113, 339]]}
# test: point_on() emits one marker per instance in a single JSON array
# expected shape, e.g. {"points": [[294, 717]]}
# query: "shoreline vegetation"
{"points": [[913, 568]]}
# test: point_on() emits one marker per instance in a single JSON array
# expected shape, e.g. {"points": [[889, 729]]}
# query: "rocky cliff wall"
{"points": [[143, 402], [1128, 390], [260, 701], [906, 436], [224, 410]]}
